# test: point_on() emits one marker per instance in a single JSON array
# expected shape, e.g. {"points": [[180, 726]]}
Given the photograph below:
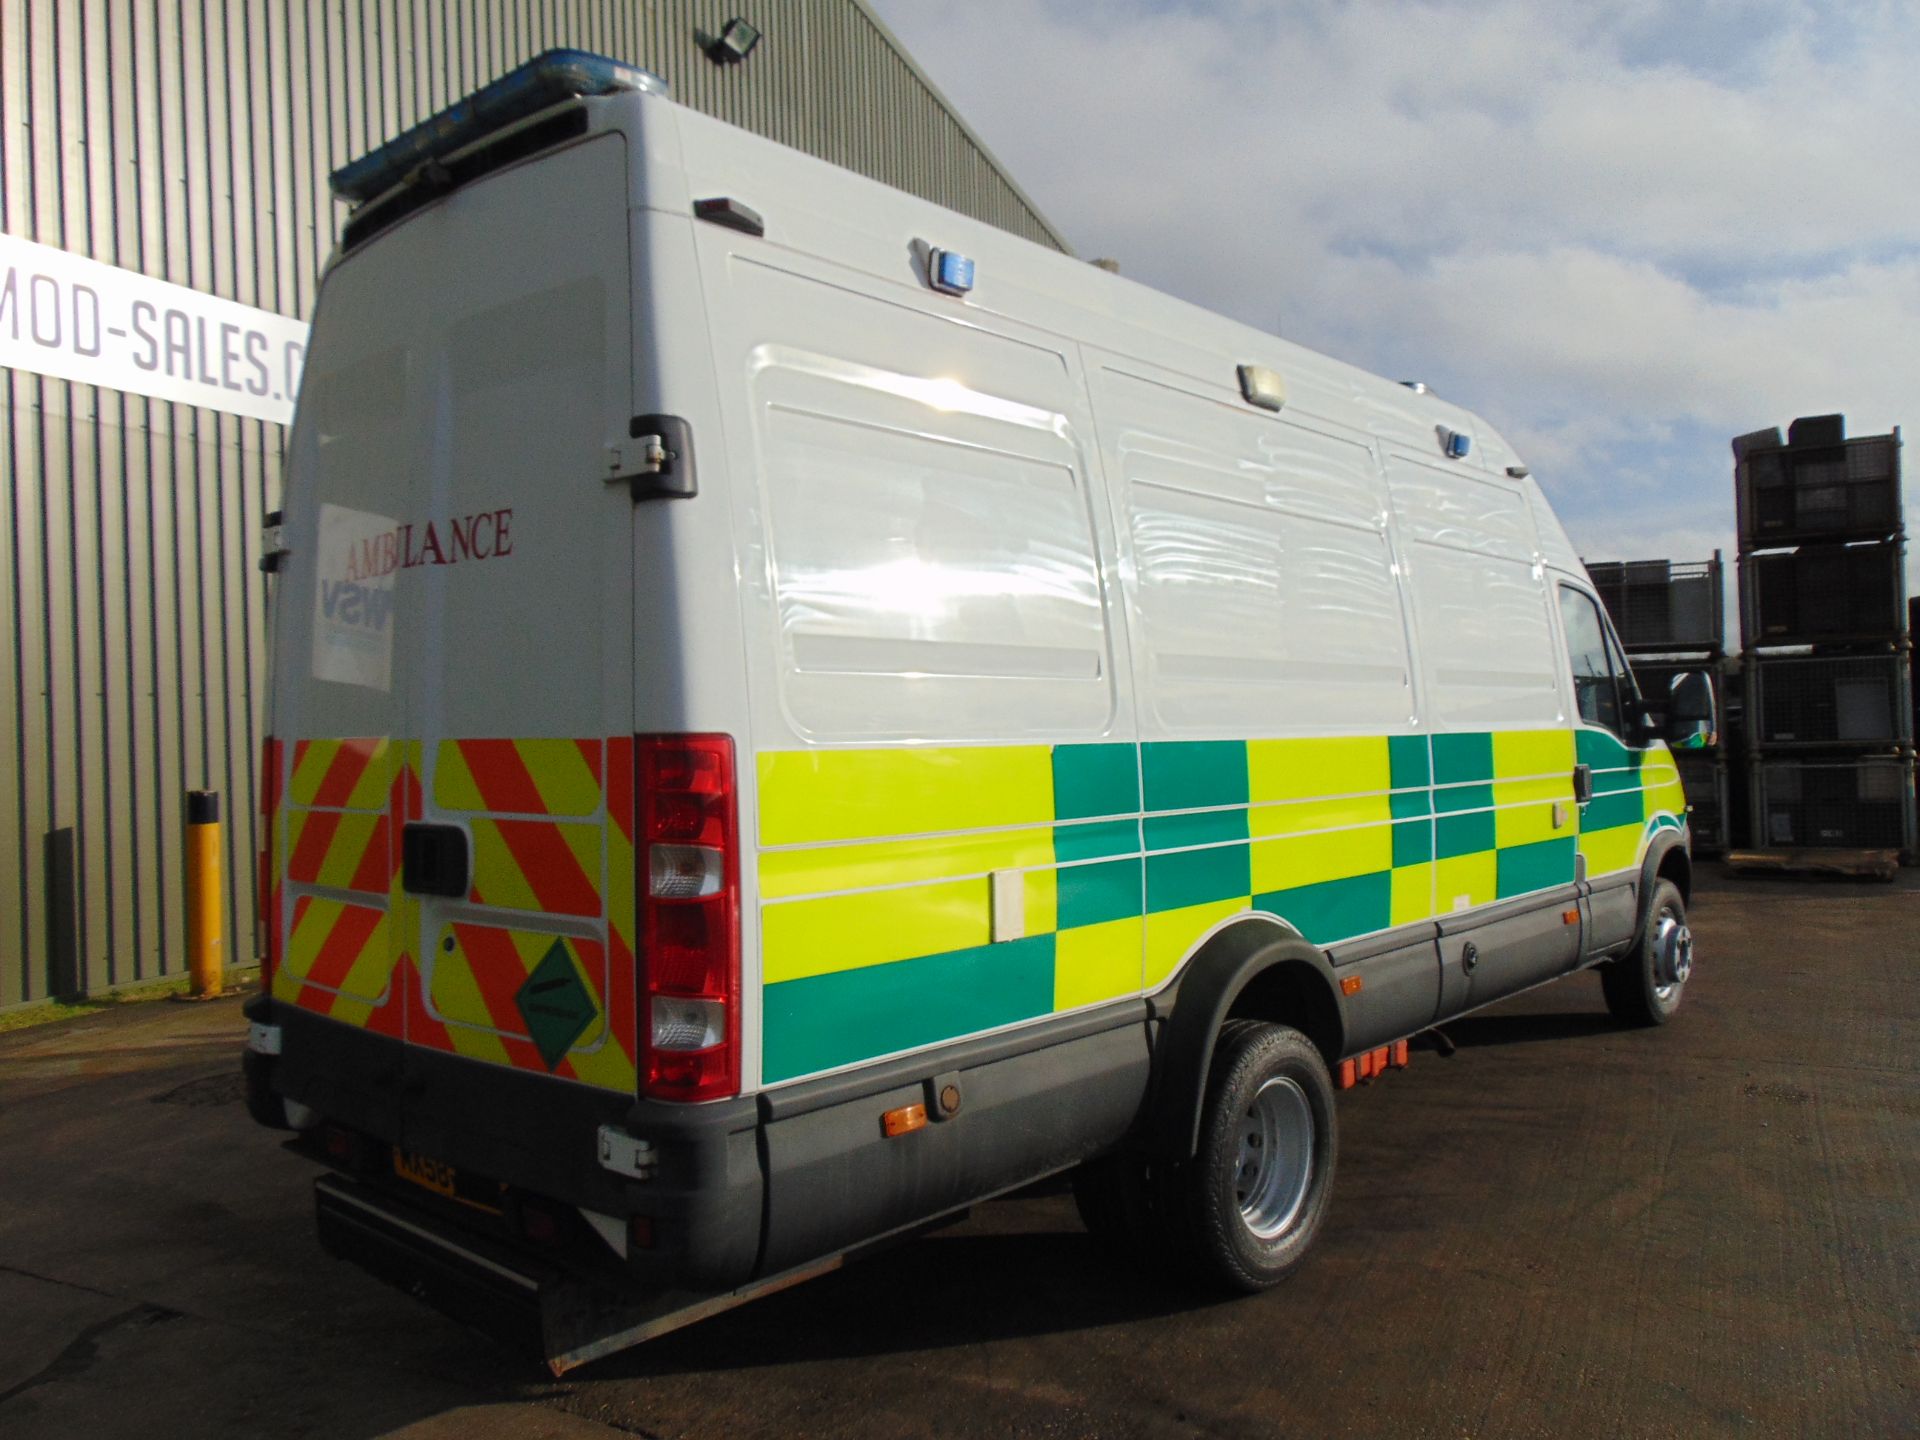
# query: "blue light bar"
{"points": [[544, 80], [1458, 444]]}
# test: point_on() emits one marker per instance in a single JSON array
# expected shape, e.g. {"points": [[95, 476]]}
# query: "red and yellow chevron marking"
{"points": [[344, 849], [338, 959], [534, 811], [272, 782], [518, 777], [621, 914], [474, 977], [340, 774], [548, 866]]}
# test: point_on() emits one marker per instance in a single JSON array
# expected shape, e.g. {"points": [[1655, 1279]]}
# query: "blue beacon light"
{"points": [[949, 272]]}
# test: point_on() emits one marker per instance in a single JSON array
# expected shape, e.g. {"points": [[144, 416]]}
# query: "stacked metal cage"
{"points": [[1826, 653], [1670, 619]]}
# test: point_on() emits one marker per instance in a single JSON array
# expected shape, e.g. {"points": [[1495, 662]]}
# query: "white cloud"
{"points": [[1623, 233]]}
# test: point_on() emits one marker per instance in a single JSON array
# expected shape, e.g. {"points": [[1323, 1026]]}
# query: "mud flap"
{"points": [[512, 1297]]}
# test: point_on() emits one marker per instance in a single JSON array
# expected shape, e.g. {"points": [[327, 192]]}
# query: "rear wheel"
{"points": [[1643, 987], [1250, 1202]]}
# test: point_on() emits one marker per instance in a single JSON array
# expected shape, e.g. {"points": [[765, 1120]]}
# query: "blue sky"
{"points": [[1624, 233]]}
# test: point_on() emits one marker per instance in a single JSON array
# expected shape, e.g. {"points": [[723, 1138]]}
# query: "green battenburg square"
{"points": [[1539, 866], [1196, 877], [824, 1021], [1408, 761], [1463, 834], [1412, 843], [1609, 812], [1406, 804], [1094, 894], [1335, 909], [1458, 758], [556, 1005], [1463, 797], [1096, 840], [1205, 827], [1599, 750], [1190, 774], [1091, 780]]}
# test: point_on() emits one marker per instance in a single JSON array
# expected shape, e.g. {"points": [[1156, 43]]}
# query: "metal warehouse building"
{"points": [[164, 216]]}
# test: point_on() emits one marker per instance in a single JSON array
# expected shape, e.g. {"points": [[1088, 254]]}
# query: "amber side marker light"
{"points": [[1351, 985], [903, 1121]]}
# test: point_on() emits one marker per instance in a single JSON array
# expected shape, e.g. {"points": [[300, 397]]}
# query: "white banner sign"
{"points": [[78, 319]]}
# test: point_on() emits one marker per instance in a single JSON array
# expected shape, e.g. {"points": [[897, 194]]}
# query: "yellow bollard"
{"points": [[206, 956]]}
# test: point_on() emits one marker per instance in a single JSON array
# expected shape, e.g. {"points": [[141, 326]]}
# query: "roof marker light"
{"points": [[544, 80], [1455, 443], [723, 210], [1518, 472], [1263, 387], [949, 272]]}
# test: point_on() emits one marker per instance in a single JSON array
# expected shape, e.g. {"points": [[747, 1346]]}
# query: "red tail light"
{"points": [[688, 857]]}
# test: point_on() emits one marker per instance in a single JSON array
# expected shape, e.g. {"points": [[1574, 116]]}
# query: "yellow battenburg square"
{"points": [[1305, 768], [815, 795], [873, 927], [1412, 894], [1518, 754], [1525, 813], [1611, 850], [1172, 933], [1097, 962], [828, 868], [1464, 880], [1290, 860]]}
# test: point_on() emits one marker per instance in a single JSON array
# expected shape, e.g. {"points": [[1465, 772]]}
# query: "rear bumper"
{"points": [[537, 1135]]}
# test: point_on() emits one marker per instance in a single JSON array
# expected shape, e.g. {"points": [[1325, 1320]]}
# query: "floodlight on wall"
{"points": [[734, 42]]}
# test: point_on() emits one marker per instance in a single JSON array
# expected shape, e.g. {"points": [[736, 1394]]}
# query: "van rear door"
{"points": [[459, 617]]}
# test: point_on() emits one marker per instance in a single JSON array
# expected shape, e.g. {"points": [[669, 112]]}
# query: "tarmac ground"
{"points": [[1564, 1229]]}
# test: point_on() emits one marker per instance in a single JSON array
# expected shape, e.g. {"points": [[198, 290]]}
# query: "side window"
{"points": [[1596, 689]]}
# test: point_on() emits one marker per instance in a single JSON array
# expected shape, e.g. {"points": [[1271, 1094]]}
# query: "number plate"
{"points": [[443, 1179]]}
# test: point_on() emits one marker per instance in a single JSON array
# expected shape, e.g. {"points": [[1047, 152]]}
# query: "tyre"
{"points": [[1643, 987], [1248, 1205]]}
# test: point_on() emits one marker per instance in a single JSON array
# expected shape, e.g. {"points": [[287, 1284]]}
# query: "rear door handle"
{"points": [[433, 860], [1582, 784]]}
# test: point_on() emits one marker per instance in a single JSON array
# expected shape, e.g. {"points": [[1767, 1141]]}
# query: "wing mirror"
{"points": [[1686, 717]]}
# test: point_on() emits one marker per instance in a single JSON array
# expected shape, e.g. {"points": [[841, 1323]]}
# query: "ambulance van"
{"points": [[795, 711]]}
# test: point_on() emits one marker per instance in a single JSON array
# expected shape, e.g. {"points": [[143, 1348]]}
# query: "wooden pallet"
{"points": [[1861, 864]]}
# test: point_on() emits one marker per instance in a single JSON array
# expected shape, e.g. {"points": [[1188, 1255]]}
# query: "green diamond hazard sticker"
{"points": [[557, 1006]]}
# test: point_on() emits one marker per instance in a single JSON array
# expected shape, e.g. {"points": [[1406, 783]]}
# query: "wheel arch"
{"points": [[1257, 968], [1667, 858]]}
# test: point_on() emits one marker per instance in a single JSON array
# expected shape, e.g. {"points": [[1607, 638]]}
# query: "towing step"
{"points": [[512, 1297]]}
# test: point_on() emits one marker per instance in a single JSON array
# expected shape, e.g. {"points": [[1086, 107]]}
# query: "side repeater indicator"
{"points": [[949, 272]]}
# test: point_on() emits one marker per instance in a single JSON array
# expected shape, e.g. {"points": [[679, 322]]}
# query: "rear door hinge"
{"points": [[657, 462]]}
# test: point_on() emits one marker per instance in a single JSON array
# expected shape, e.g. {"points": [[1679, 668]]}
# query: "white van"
{"points": [[795, 711]]}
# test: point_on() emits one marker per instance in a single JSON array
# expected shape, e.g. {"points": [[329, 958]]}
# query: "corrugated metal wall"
{"points": [[190, 140]]}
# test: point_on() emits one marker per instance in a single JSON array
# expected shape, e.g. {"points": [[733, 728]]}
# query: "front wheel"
{"points": [[1257, 1189], [1643, 986]]}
